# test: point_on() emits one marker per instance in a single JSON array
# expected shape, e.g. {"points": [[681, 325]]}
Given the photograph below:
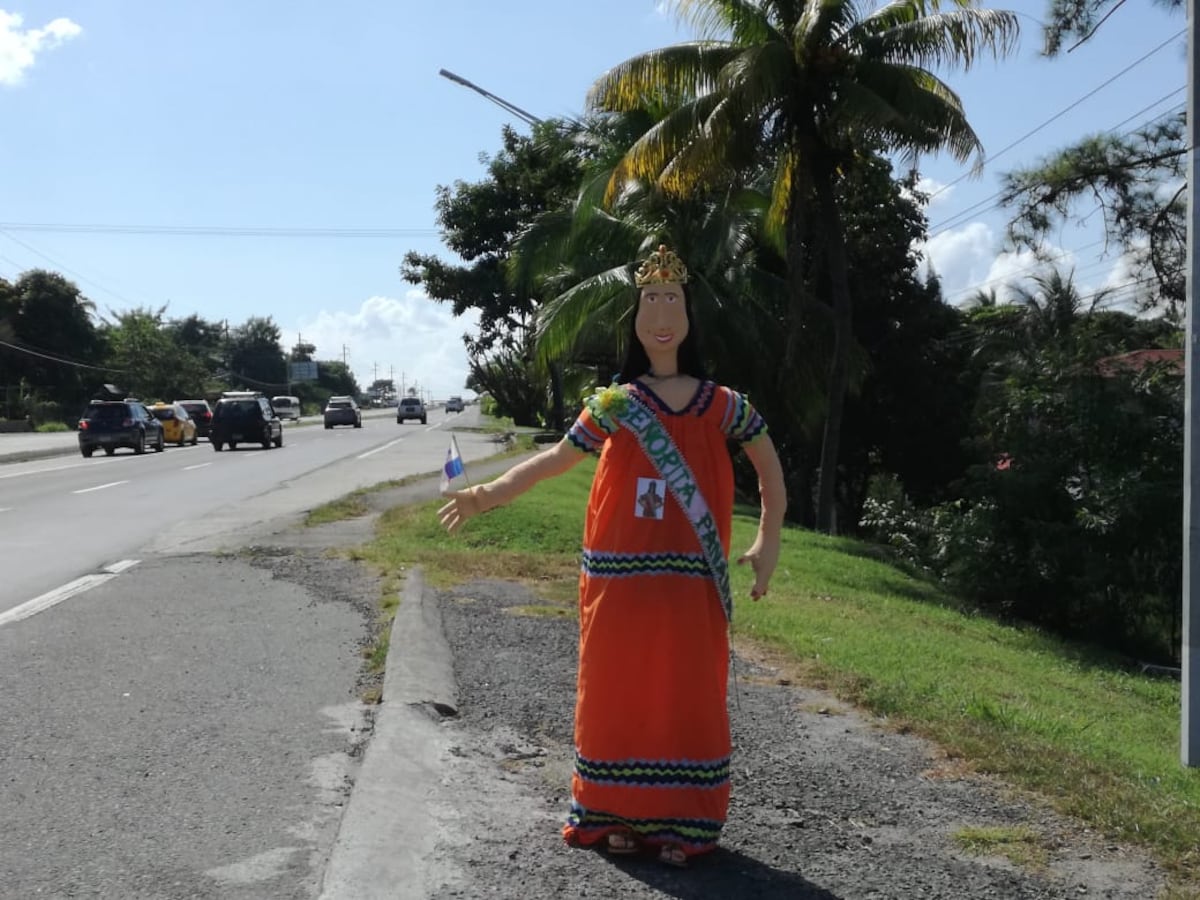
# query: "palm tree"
{"points": [[577, 259], [802, 86]]}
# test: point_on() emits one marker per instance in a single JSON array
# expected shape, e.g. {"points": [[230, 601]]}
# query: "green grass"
{"points": [[1099, 742], [52, 427], [1063, 721], [1019, 844]]}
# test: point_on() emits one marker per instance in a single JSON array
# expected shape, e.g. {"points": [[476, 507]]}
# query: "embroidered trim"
{"points": [[741, 420], [700, 401], [695, 833], [655, 773], [621, 565]]}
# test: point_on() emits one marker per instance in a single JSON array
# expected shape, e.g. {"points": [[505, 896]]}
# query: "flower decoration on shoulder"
{"points": [[608, 404]]}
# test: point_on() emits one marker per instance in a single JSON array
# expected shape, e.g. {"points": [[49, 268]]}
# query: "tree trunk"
{"points": [[843, 335], [557, 407]]}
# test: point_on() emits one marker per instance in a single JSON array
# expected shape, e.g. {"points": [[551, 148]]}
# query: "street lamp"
{"points": [[527, 118]]}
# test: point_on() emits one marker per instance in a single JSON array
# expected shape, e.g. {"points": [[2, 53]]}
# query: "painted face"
{"points": [[662, 322]]}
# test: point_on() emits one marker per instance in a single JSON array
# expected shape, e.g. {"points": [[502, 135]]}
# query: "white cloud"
{"points": [[410, 338], [960, 257], [936, 191], [19, 48], [966, 260]]}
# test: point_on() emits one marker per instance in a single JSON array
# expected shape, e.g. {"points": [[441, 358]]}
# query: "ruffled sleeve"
{"points": [[741, 422], [587, 435]]}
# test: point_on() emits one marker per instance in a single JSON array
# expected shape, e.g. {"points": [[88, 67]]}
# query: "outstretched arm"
{"points": [[763, 554], [480, 498]]}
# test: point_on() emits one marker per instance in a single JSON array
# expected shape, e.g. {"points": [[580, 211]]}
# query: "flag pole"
{"points": [[458, 453]]}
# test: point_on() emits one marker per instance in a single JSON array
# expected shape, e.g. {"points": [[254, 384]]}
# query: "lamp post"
{"points": [[527, 118], [1190, 688]]}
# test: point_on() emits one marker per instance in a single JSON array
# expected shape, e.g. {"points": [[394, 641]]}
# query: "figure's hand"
{"points": [[462, 505], [763, 557]]}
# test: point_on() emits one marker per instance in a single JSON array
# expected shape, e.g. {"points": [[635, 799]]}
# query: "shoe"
{"points": [[673, 855], [621, 843]]}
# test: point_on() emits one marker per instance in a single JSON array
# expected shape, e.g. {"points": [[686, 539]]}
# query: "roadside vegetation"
{"points": [[1071, 723]]}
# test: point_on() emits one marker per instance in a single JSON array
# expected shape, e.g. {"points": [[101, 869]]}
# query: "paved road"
{"points": [[66, 518], [190, 727]]}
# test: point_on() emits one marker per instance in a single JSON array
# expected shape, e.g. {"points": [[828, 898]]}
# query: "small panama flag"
{"points": [[454, 465]]}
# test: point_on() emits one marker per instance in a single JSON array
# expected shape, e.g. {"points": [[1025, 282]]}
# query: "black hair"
{"points": [[637, 363]]}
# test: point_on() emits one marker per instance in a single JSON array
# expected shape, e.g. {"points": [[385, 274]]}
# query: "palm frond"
{"points": [[744, 22], [942, 40], [758, 76], [672, 74], [601, 297], [654, 150], [905, 108], [822, 24]]}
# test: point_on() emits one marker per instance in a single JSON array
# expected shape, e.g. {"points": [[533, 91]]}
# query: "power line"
{"points": [[215, 230], [64, 268], [983, 205], [1068, 108], [62, 361]]}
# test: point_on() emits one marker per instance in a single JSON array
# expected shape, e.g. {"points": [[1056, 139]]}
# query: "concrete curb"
{"points": [[31, 455], [388, 832]]}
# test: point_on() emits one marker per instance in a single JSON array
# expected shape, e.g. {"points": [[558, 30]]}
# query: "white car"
{"points": [[410, 408], [455, 404]]}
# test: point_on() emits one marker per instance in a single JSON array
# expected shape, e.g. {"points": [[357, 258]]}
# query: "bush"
{"points": [[49, 427]]}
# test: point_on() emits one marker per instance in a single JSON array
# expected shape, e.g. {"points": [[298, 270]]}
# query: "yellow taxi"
{"points": [[178, 426]]}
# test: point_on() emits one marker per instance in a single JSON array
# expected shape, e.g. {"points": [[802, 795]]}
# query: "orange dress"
{"points": [[652, 744]]}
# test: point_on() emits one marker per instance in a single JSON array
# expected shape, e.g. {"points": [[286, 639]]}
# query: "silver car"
{"points": [[342, 411]]}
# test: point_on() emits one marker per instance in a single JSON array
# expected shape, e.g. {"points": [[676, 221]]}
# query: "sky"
{"points": [[235, 159]]}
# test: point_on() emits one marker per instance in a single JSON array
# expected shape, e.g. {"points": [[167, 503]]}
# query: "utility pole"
{"points": [[1190, 696]]}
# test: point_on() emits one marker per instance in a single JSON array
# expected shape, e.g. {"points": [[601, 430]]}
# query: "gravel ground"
{"points": [[827, 803]]}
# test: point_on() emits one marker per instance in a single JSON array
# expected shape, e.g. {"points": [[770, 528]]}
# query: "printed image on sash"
{"points": [[651, 498]]}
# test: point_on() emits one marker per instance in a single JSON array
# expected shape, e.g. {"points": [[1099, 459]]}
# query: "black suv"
{"points": [[109, 424], [249, 420]]}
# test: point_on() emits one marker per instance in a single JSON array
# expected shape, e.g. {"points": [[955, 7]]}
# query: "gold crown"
{"points": [[661, 267]]}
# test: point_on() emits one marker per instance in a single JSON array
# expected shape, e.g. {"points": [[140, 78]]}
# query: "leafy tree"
{"points": [[56, 345], [1069, 516], [1125, 174], [799, 86], [142, 349], [256, 359], [200, 338], [1079, 19], [479, 221]]}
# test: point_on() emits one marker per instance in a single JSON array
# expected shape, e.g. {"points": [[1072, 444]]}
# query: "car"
{"points": [[455, 404], [410, 408], [111, 424], [286, 407], [201, 414], [178, 427], [342, 411], [245, 417]]}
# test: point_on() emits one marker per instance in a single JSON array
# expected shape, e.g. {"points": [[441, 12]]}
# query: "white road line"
{"points": [[199, 466], [100, 487], [120, 566], [378, 449], [92, 462], [53, 598]]}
